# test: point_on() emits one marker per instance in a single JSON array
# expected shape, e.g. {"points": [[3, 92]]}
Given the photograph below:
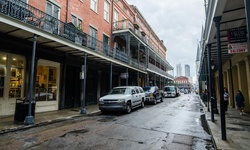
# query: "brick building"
{"points": [[78, 50], [183, 83]]}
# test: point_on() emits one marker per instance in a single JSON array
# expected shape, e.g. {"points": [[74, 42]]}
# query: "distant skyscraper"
{"points": [[178, 70], [187, 70]]}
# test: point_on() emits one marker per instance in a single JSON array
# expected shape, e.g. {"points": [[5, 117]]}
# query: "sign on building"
{"points": [[237, 40], [237, 48], [237, 35]]}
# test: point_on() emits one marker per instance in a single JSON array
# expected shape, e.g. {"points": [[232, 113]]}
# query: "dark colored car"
{"points": [[153, 94]]}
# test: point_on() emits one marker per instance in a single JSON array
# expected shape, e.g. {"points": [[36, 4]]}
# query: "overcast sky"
{"points": [[178, 23]]}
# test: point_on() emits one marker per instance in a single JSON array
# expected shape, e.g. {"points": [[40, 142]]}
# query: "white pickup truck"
{"points": [[122, 98]]}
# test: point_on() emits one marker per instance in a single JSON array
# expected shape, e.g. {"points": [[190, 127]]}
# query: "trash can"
{"points": [[22, 110]]}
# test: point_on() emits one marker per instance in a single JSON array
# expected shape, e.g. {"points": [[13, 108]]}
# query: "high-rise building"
{"points": [[187, 70], [178, 70]]}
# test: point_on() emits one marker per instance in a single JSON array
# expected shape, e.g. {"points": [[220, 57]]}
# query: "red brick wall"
{"points": [[83, 11]]}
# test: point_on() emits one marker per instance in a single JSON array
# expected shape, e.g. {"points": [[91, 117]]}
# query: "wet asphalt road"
{"points": [[174, 124]]}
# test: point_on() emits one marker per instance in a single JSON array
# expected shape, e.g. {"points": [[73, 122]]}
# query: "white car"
{"points": [[123, 98], [171, 91]]}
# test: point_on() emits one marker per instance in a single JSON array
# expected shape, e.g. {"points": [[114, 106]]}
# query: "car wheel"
{"points": [[104, 111], [155, 101], [128, 108], [142, 104], [161, 99]]}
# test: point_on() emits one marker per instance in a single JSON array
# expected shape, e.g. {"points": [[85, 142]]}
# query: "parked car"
{"points": [[171, 91], [123, 98], [153, 94]]}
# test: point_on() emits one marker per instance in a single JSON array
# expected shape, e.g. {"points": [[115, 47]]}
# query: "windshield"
{"points": [[120, 91], [169, 89], [148, 89]]}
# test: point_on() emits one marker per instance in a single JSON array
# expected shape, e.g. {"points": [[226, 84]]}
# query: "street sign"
{"points": [[237, 48], [237, 35]]}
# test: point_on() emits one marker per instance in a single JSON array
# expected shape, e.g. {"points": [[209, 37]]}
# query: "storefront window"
{"points": [[3, 58], [16, 77], [46, 87]]}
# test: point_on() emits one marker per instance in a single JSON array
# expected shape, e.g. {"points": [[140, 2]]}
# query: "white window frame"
{"points": [[106, 10], [116, 18], [93, 5], [78, 22], [93, 36], [53, 4]]}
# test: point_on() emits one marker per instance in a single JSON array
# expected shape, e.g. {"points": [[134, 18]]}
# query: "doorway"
{"points": [[72, 87]]}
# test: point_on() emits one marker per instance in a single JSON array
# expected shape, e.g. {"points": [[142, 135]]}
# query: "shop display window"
{"points": [[16, 77], [3, 58], [46, 87]]}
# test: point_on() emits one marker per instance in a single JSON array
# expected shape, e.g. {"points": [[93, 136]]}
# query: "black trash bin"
{"points": [[22, 110]]}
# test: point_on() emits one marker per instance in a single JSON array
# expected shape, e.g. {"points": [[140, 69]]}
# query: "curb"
{"points": [[25, 127], [207, 125], [210, 131]]}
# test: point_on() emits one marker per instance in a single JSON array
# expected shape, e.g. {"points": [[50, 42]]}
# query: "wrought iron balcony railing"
{"points": [[127, 24], [35, 17], [156, 69]]}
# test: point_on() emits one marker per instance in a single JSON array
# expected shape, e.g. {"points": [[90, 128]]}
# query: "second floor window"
{"points": [[93, 36], [115, 19], [93, 5], [105, 44], [76, 21], [106, 10], [52, 10]]}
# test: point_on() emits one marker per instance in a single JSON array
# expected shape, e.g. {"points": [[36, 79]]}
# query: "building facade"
{"points": [[219, 65], [77, 51], [183, 83]]}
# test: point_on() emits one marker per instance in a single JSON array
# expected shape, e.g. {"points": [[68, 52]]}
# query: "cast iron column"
{"points": [[221, 91], [207, 83], [210, 81], [110, 76], [127, 77], [154, 80], [138, 76], [232, 82], [30, 119], [83, 110]]}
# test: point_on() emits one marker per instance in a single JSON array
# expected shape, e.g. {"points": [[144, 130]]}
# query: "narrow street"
{"points": [[173, 124]]}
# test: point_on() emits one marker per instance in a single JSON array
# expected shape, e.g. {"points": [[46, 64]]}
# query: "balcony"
{"points": [[41, 21], [156, 69], [127, 25]]}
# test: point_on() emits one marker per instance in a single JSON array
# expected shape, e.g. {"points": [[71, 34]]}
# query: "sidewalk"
{"points": [[237, 130], [7, 123]]}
